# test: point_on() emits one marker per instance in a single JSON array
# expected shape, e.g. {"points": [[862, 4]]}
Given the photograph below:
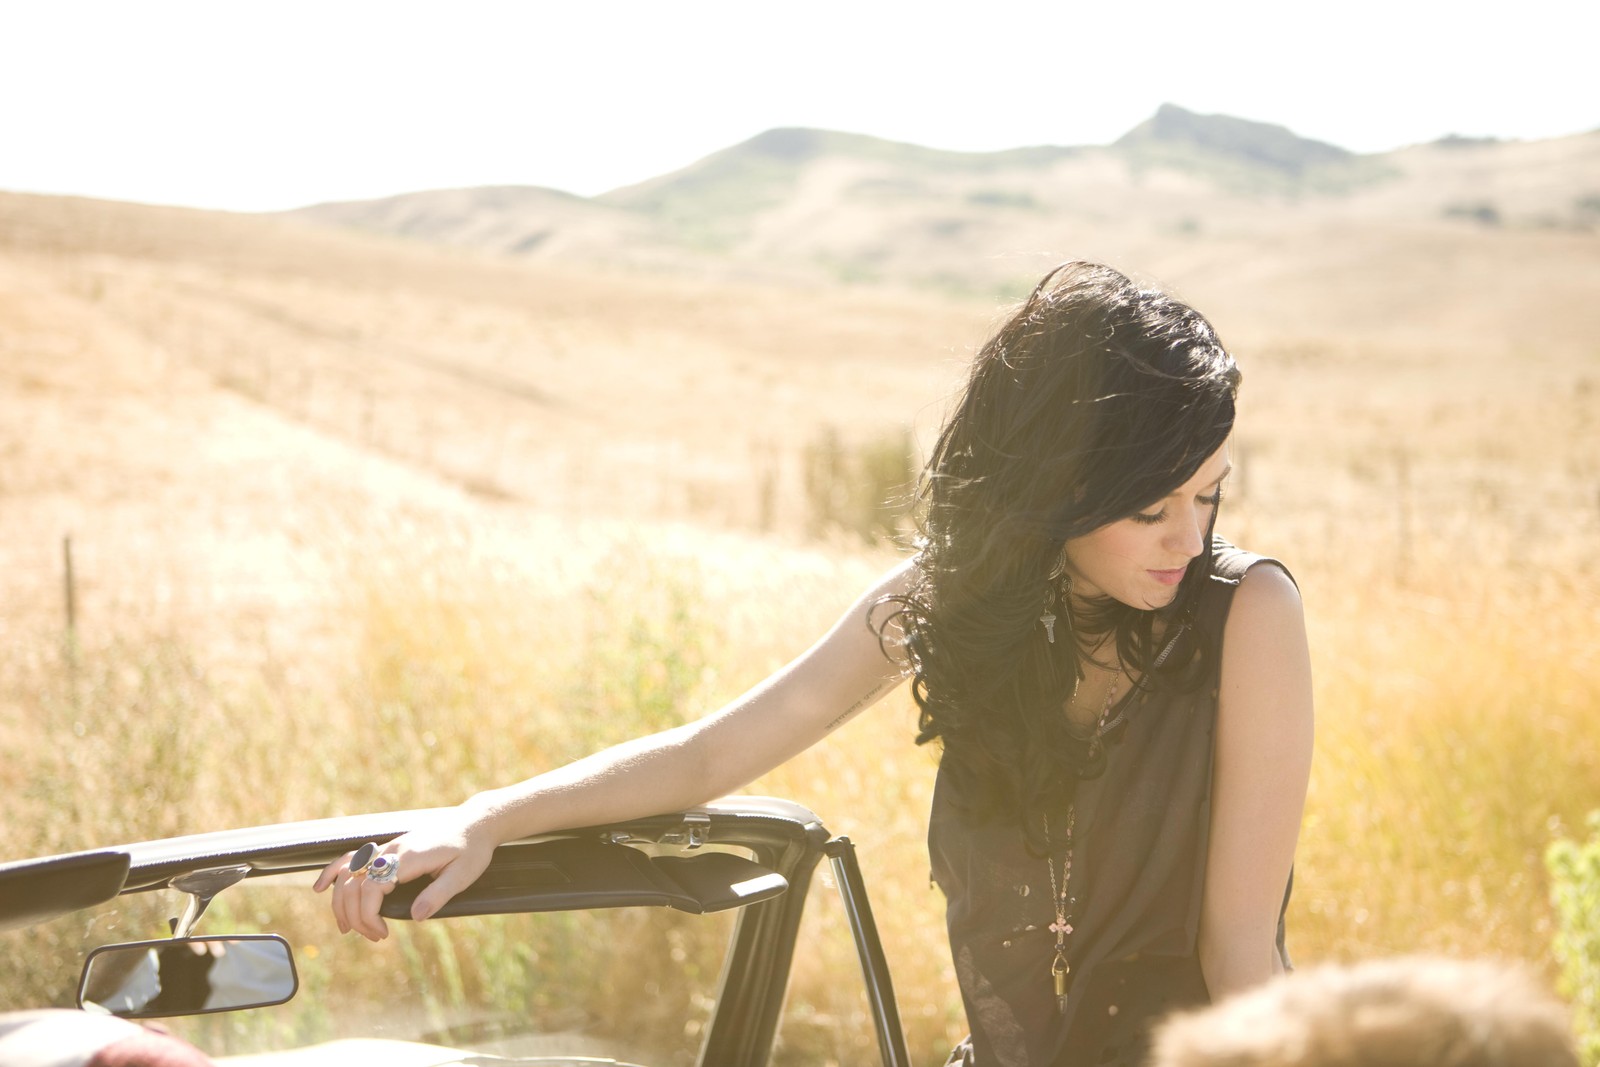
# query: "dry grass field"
{"points": [[474, 517]]}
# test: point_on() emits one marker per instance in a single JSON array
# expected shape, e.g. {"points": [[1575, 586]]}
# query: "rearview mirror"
{"points": [[188, 976]]}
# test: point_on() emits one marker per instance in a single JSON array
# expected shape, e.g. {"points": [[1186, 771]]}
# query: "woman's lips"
{"points": [[1172, 577]]}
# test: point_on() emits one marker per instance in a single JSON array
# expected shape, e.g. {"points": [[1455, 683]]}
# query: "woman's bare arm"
{"points": [[1263, 763], [838, 677]]}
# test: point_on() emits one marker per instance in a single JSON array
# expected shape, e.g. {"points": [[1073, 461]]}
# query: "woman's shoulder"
{"points": [[1230, 563], [1252, 591], [1270, 597]]}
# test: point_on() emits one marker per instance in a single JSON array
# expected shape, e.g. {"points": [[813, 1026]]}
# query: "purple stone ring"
{"points": [[383, 869]]}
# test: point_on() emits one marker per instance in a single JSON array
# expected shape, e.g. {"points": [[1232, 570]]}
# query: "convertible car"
{"points": [[670, 940]]}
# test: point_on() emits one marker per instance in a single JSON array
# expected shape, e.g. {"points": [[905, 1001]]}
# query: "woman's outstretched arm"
{"points": [[839, 676], [1258, 791]]}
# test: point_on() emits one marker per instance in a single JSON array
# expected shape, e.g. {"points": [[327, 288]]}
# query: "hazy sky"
{"points": [[247, 105]]}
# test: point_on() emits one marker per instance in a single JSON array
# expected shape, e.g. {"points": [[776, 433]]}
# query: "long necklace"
{"points": [[1066, 906]]}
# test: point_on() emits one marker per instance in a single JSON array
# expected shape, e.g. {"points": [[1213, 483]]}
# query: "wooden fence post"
{"points": [[70, 591], [70, 587]]}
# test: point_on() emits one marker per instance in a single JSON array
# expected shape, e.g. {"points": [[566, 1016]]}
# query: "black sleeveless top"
{"points": [[1139, 862]]}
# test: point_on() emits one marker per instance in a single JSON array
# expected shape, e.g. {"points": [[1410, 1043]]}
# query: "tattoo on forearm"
{"points": [[877, 691]]}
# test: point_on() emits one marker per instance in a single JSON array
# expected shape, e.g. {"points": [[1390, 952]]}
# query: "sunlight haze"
{"points": [[252, 106]]}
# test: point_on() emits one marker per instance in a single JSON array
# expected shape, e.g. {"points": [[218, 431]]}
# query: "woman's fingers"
{"points": [[358, 897], [356, 900], [331, 872], [346, 897], [369, 898], [350, 893], [336, 876], [452, 878], [452, 856]]}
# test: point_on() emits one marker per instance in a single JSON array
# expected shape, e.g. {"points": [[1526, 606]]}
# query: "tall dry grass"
{"points": [[1455, 730]]}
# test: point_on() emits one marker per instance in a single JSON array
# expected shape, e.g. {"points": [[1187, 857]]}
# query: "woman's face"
{"points": [[1139, 560]]}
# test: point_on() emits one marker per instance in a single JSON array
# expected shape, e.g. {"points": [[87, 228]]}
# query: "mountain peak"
{"points": [[792, 143], [1261, 143]]}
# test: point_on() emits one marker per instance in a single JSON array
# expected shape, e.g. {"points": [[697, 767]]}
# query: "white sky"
{"points": [[249, 105]]}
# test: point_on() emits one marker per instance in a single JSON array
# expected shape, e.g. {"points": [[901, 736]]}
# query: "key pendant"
{"points": [[1049, 620]]}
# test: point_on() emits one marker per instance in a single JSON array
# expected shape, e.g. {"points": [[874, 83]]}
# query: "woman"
{"points": [[1123, 703]]}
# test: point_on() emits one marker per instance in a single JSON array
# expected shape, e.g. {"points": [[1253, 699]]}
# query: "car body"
{"points": [[579, 947]]}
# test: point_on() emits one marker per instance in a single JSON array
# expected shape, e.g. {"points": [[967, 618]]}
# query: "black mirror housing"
{"points": [[188, 976]]}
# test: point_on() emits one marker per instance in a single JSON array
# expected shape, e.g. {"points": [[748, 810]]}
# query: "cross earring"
{"points": [[1049, 616]]}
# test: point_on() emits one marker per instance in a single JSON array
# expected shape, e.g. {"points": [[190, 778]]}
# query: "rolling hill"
{"points": [[800, 204]]}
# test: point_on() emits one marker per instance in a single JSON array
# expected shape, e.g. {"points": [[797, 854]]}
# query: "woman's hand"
{"points": [[455, 849]]}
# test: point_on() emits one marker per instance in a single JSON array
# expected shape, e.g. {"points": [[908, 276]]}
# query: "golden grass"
{"points": [[1455, 709]]}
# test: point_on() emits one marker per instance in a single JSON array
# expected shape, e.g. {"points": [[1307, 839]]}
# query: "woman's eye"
{"points": [[1151, 518]]}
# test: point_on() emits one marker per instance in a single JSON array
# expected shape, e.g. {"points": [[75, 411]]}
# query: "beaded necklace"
{"points": [[1066, 906]]}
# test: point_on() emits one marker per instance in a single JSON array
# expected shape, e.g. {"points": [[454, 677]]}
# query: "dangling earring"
{"points": [[1058, 575]]}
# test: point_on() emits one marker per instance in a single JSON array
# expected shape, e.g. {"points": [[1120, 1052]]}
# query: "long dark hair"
{"points": [[1094, 400]]}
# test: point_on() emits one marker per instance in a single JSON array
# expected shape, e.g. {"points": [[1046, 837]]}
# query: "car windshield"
{"points": [[633, 985], [630, 984]]}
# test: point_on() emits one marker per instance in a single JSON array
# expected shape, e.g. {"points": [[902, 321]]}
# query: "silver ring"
{"points": [[383, 869], [363, 857]]}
